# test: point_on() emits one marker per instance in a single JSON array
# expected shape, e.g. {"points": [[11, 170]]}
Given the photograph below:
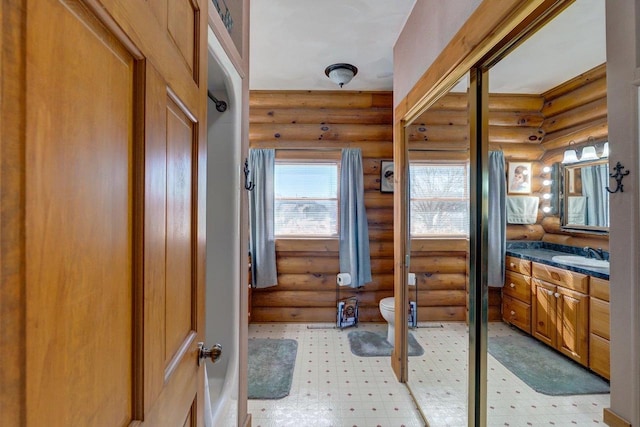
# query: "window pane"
{"points": [[439, 199], [306, 199], [439, 217], [306, 181], [429, 181], [308, 218]]}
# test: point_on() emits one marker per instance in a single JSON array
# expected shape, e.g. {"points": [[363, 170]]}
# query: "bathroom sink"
{"points": [[580, 261]]}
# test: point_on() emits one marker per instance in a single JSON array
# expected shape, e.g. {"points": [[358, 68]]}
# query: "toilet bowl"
{"points": [[387, 310]]}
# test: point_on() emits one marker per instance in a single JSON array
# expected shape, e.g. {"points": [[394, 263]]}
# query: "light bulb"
{"points": [[547, 182], [546, 196], [546, 169], [546, 209]]}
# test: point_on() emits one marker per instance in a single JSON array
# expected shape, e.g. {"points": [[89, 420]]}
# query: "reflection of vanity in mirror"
{"points": [[584, 200]]}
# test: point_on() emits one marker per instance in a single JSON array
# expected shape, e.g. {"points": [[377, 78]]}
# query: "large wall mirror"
{"points": [[527, 86], [584, 199]]}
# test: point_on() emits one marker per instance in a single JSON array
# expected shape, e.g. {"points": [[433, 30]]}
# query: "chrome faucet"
{"points": [[597, 253]]}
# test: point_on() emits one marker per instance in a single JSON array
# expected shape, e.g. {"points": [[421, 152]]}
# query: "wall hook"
{"points": [[618, 177], [248, 185]]}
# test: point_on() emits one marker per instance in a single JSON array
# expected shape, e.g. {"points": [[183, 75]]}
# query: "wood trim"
{"points": [[240, 60], [488, 26], [399, 356], [612, 419], [12, 228]]}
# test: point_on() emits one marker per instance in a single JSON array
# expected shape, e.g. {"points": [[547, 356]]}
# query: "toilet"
{"points": [[387, 310]]}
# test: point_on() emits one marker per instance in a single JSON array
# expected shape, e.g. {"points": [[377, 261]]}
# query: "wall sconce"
{"points": [[341, 74]]}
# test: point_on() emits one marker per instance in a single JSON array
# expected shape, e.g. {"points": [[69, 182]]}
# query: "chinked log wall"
{"points": [[575, 113], [295, 123], [525, 128]]}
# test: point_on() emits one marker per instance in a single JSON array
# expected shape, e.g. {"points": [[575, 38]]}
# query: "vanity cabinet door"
{"points": [[543, 310], [573, 324]]}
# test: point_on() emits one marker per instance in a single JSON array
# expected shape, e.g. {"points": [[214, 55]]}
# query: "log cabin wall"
{"points": [[528, 128], [296, 123], [575, 113]]}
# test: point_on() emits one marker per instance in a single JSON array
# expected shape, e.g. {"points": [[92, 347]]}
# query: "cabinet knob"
{"points": [[513, 285], [512, 265], [557, 295], [513, 313]]}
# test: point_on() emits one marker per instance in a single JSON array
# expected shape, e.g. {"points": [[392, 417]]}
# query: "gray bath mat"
{"points": [[544, 369], [372, 344], [271, 363]]}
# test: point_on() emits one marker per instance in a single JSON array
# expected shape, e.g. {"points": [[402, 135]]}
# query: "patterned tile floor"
{"points": [[438, 380], [332, 387]]}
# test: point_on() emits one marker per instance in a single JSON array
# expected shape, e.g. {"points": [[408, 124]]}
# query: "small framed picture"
{"points": [[386, 176], [519, 178]]}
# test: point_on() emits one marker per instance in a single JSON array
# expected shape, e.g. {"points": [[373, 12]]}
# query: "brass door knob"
{"points": [[212, 353]]}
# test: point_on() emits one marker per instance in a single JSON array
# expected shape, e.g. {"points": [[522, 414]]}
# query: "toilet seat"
{"points": [[387, 303]]}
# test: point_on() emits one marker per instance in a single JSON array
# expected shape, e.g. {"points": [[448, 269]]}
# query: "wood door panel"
{"points": [[573, 325], [155, 234], [79, 226], [543, 312], [180, 278], [182, 25]]}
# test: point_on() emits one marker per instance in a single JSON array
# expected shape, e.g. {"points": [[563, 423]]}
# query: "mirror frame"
{"points": [[564, 195]]}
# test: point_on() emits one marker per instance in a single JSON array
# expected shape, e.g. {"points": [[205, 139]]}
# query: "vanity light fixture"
{"points": [[570, 156], [589, 153], [341, 74]]}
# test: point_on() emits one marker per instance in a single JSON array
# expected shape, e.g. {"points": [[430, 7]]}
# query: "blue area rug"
{"points": [[271, 364], [372, 344], [544, 369]]}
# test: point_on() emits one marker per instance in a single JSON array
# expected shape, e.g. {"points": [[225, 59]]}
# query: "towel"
{"points": [[577, 210], [522, 209]]}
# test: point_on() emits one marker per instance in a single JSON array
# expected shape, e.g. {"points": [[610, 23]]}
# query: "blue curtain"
{"points": [[594, 180], [261, 223], [497, 219], [354, 229]]}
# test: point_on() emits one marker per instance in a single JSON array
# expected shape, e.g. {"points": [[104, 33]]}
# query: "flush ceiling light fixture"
{"points": [[341, 74]]}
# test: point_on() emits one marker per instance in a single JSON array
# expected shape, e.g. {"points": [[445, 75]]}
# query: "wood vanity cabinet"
{"points": [[516, 293], [599, 349], [560, 310]]}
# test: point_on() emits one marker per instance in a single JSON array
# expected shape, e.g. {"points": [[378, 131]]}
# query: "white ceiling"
{"points": [[293, 41]]}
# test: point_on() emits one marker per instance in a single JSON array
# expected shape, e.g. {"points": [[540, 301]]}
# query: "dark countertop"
{"points": [[544, 252]]}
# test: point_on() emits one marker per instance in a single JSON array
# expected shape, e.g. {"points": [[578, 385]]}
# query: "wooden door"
{"points": [[543, 310], [573, 325], [106, 302]]}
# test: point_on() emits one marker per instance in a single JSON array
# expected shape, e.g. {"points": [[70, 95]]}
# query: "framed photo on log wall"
{"points": [[386, 176], [519, 178]]}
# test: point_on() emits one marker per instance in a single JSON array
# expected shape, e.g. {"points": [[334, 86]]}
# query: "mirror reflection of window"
{"points": [[587, 200]]}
